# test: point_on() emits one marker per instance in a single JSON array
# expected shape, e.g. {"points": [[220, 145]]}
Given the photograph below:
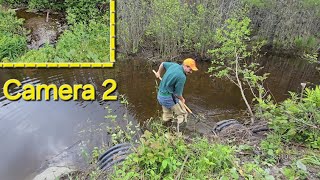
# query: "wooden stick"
{"points": [[184, 163], [188, 109], [156, 73]]}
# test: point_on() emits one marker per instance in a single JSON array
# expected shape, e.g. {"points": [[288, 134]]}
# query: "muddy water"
{"points": [[34, 133], [41, 31]]}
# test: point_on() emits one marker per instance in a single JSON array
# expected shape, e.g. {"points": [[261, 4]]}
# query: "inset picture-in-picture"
{"points": [[55, 31]]}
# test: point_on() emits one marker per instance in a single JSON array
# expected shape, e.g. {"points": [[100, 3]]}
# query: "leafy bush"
{"points": [[307, 44], [13, 3], [295, 171], [83, 10], [13, 41], [84, 43], [236, 59], [163, 155], [156, 157], [11, 46], [167, 24], [199, 32], [209, 159], [254, 171], [44, 54], [46, 4], [10, 23], [297, 118], [271, 148], [282, 23]]}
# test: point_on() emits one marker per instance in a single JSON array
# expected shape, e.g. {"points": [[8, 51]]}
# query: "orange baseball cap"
{"points": [[191, 63]]}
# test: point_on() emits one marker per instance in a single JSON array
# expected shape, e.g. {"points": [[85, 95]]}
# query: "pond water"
{"points": [[42, 31], [32, 133]]}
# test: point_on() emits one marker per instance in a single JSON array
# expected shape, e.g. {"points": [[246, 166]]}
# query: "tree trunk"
{"points": [[242, 92]]}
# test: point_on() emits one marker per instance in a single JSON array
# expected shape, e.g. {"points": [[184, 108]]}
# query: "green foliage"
{"points": [[256, 3], [12, 46], [162, 155], [311, 3], [9, 23], [156, 157], [87, 40], [120, 133], [13, 3], [209, 159], [13, 41], [84, 43], [297, 118], [308, 44], [79, 11], [271, 148], [81, 43], [287, 25], [132, 24], [234, 60], [295, 171], [312, 161], [177, 26], [46, 4], [172, 26], [93, 156], [44, 54], [232, 39], [255, 171], [96, 152], [167, 25], [199, 29], [182, 26]]}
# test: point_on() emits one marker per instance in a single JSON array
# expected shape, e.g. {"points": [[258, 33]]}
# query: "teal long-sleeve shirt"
{"points": [[173, 80]]}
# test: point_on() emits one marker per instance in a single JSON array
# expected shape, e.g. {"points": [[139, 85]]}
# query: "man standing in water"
{"points": [[171, 89]]}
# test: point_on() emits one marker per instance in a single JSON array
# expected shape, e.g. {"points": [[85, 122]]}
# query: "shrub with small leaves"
{"points": [[13, 40], [297, 118], [162, 155], [271, 148], [84, 43]]}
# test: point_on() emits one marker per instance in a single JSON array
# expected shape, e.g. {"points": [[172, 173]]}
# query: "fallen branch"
{"points": [[184, 163]]}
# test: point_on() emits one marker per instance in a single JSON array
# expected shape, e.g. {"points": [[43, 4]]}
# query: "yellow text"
{"points": [[65, 92]]}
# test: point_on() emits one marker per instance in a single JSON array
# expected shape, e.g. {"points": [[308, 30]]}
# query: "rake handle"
{"points": [[156, 73], [188, 109]]}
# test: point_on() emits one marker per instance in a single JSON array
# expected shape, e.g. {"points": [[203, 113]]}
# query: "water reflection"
{"points": [[35, 131]]}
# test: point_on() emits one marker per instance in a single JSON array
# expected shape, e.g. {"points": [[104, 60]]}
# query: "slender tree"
{"points": [[234, 60]]}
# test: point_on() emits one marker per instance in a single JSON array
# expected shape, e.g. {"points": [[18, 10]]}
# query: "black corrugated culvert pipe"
{"points": [[114, 155]]}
